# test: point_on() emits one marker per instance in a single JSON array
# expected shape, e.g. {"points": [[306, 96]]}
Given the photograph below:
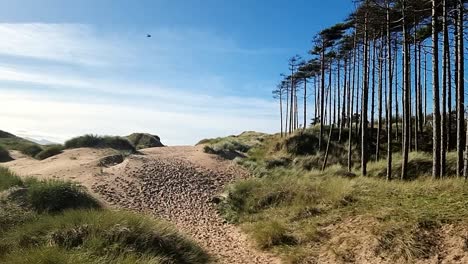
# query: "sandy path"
{"points": [[174, 183]]}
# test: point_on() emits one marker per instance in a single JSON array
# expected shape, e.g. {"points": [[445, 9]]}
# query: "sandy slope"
{"points": [[175, 183]]}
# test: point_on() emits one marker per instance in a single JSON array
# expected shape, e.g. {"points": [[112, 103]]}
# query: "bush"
{"points": [[49, 152], [142, 140], [4, 155], [55, 196], [302, 143], [96, 236], [30, 149], [277, 162], [8, 179], [93, 141]]}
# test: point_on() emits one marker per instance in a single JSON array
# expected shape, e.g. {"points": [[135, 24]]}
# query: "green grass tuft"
{"points": [[54, 196], [94, 141], [30, 149], [8, 179], [49, 151], [4, 155], [98, 236]]}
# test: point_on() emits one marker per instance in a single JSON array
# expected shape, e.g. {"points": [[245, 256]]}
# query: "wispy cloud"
{"points": [[58, 120], [86, 81], [71, 43]]}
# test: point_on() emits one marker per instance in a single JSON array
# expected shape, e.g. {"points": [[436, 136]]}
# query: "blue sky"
{"points": [[73, 67]]}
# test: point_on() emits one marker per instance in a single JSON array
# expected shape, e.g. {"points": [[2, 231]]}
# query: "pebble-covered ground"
{"points": [[179, 184]]}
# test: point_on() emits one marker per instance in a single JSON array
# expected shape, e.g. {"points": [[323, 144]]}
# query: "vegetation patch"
{"points": [[49, 151], [58, 222], [4, 155], [30, 149], [94, 141], [143, 140]]}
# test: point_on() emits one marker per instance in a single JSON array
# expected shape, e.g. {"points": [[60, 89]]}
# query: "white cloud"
{"points": [[58, 120], [96, 92], [71, 43]]}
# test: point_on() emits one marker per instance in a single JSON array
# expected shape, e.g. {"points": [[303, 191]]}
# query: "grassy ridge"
{"points": [[58, 222], [94, 141], [292, 207]]}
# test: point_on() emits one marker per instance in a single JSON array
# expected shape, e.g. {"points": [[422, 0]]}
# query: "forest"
{"points": [[390, 78]]}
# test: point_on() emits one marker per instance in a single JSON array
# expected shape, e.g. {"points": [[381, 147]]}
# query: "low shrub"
{"points": [[49, 152], [143, 140], [93, 141], [277, 162], [99, 236], [55, 196], [4, 155], [8, 179], [302, 143], [30, 149]]}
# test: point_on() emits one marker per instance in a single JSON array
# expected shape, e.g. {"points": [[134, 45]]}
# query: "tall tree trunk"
{"points": [[461, 89], [352, 87], [324, 165], [374, 53], [416, 90], [365, 99], [305, 103], [287, 109], [443, 125], [358, 76], [425, 88], [406, 96], [397, 114], [345, 91], [435, 90], [379, 106], [281, 109], [338, 90], [330, 93], [322, 91], [389, 97], [420, 99]]}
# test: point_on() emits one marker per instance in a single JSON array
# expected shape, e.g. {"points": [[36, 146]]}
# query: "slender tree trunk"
{"points": [[416, 93], [345, 88], [397, 114], [338, 91], [352, 87], [305, 103], [406, 96], [287, 109], [443, 125], [435, 90], [358, 122], [324, 165], [425, 88], [389, 97], [322, 91], [461, 89], [374, 52], [281, 109], [379, 106], [365, 99], [330, 92], [420, 99]]}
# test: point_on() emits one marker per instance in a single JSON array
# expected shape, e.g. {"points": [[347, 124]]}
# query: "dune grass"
{"points": [[291, 206], [98, 236], [94, 141], [287, 210], [4, 155], [58, 222], [49, 151], [8, 179]]}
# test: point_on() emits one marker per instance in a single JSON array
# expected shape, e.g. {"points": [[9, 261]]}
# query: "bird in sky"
{"points": [[148, 36]]}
